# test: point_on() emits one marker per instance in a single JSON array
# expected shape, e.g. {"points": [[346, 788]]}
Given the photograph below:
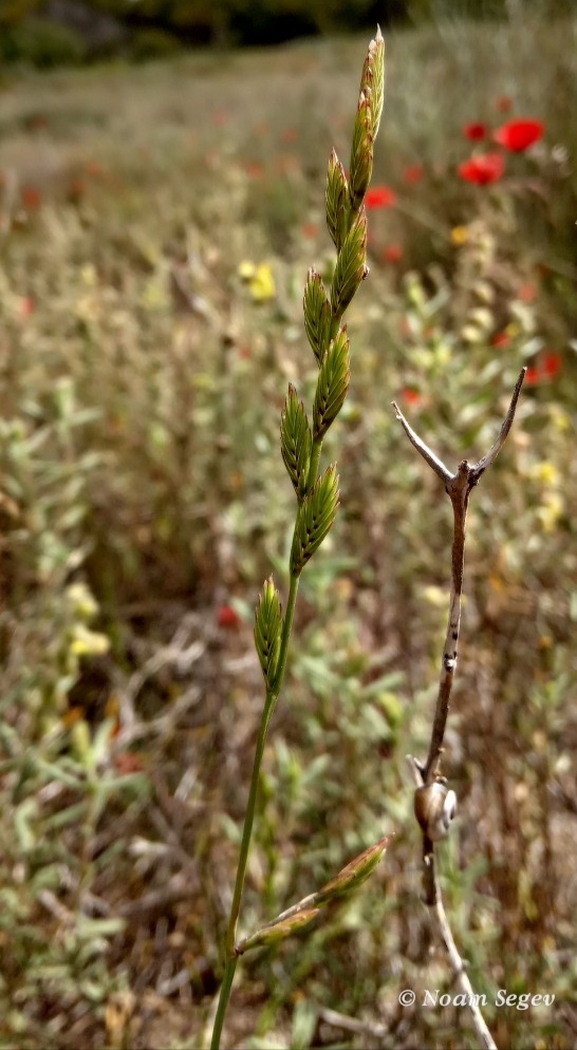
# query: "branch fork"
{"points": [[435, 803], [458, 486]]}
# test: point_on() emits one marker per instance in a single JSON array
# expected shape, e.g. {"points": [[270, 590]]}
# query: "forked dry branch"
{"points": [[435, 804]]}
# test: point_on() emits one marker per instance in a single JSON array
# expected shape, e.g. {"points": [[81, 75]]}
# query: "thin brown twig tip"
{"points": [[520, 381]]}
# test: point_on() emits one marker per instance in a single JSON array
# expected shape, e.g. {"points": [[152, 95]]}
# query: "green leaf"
{"points": [[295, 441], [333, 384], [351, 266], [267, 629], [337, 201], [315, 517], [317, 314]]}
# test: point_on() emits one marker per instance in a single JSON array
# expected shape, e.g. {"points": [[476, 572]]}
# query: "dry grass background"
{"points": [[142, 383]]}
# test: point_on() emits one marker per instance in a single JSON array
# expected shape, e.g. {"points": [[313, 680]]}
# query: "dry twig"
{"points": [[435, 805]]}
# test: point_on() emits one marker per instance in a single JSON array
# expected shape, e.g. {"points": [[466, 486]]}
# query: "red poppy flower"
{"points": [[380, 197], [93, 167], [546, 368], [219, 118], [310, 230], [527, 293], [128, 762], [26, 306], [501, 340], [551, 364], [411, 396], [475, 132], [413, 174], [289, 135], [503, 104], [483, 169], [30, 198], [286, 163], [254, 170], [228, 617], [393, 253], [76, 190], [518, 135]]}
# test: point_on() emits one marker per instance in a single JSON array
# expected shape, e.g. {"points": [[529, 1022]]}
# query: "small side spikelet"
{"points": [[267, 629], [373, 79], [351, 267], [317, 313], [315, 517], [295, 441], [337, 201], [346, 882], [333, 384], [353, 874], [361, 164], [277, 931]]}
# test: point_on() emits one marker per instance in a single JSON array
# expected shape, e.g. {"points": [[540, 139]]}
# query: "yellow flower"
{"points": [[559, 418], [550, 511], [88, 275], [546, 472], [482, 317], [155, 294], [81, 600], [88, 643], [246, 270], [459, 235], [436, 596], [471, 334], [260, 280]]}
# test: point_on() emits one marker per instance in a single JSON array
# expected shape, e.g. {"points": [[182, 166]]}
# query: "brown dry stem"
{"points": [[458, 487]]}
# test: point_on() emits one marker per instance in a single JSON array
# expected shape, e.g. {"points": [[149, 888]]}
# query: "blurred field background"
{"points": [[157, 223]]}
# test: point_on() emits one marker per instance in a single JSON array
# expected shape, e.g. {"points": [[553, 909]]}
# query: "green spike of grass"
{"points": [[315, 518], [296, 441], [317, 314], [333, 384], [351, 266]]}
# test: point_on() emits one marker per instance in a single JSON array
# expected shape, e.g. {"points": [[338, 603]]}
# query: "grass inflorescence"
{"points": [[151, 313]]}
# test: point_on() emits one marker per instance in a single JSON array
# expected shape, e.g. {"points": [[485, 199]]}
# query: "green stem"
{"points": [[225, 989], [285, 636], [272, 695], [314, 463], [294, 584], [270, 701], [247, 828], [231, 958]]}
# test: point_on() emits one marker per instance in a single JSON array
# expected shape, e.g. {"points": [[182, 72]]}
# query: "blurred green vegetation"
{"points": [[156, 228], [46, 33]]}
